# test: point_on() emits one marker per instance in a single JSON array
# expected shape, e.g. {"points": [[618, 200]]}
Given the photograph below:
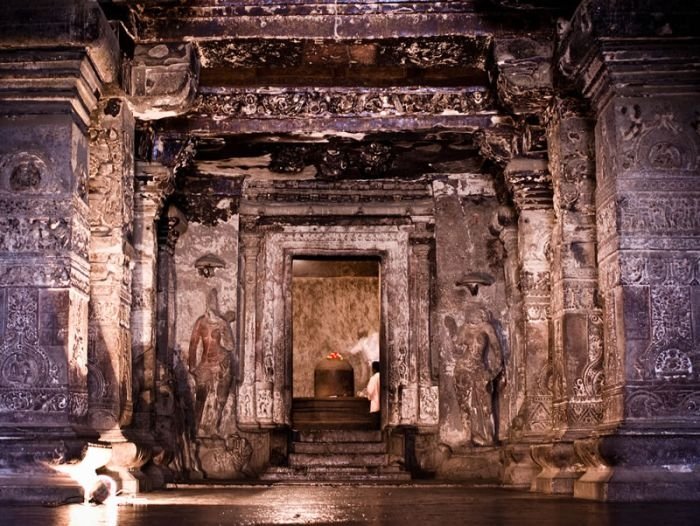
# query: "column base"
{"points": [[56, 469], [560, 468], [519, 470]]}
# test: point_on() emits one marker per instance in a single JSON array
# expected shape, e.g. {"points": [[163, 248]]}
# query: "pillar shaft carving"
{"points": [[248, 323], [44, 245], [530, 184], [506, 225], [420, 360], [111, 215], [576, 314], [153, 183]]}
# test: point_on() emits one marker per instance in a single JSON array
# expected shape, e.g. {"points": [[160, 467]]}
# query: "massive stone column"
{"points": [[47, 96], [641, 75], [111, 185], [577, 330], [247, 407]]}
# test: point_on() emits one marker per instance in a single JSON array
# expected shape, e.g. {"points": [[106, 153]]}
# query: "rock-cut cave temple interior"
{"points": [[216, 214]]}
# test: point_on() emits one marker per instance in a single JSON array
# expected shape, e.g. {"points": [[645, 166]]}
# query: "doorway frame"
{"points": [[266, 392]]}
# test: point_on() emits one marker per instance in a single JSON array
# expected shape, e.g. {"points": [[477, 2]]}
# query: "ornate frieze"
{"points": [[338, 102], [673, 215], [452, 51], [665, 400]]}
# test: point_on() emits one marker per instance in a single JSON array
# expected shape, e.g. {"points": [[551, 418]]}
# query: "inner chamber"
{"points": [[336, 324]]}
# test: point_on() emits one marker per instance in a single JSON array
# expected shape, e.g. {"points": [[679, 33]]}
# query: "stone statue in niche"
{"points": [[214, 370], [478, 372]]}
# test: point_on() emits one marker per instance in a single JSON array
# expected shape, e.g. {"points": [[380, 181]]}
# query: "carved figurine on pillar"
{"points": [[478, 373], [216, 367]]}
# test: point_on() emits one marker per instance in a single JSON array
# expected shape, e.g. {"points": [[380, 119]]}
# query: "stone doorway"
{"points": [[336, 326]]}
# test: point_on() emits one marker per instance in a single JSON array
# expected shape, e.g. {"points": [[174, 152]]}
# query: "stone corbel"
{"points": [[162, 80], [524, 65]]}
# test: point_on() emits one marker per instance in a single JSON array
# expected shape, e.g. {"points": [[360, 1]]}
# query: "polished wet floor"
{"points": [[350, 505]]}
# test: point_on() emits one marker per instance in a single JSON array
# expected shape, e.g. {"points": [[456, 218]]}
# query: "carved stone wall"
{"points": [[531, 187], [648, 240], [469, 279], [649, 257], [44, 270]]}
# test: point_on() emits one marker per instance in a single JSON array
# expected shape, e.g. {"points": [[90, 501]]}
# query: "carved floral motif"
{"points": [[29, 378], [335, 103]]}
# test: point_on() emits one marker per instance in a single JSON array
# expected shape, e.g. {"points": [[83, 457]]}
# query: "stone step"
{"points": [[308, 460], [332, 448], [338, 435], [339, 474]]}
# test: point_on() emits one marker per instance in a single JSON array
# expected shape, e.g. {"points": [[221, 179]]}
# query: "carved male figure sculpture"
{"points": [[479, 363], [215, 368]]}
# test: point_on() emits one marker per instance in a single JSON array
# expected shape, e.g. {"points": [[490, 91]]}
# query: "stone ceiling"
{"points": [[336, 89]]}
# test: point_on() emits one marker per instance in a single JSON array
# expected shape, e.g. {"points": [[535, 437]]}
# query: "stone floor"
{"points": [[404, 505]]}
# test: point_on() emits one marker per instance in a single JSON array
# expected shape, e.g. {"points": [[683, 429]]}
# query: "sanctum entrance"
{"points": [[336, 323]]}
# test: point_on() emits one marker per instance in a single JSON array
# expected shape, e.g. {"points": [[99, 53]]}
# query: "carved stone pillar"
{"points": [[45, 100], [110, 195], [577, 339], [576, 313], [531, 188], [518, 468], [648, 221], [419, 361], [247, 406], [170, 404], [152, 184]]}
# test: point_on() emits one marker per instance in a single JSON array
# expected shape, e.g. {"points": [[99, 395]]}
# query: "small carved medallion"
{"points": [[24, 172]]}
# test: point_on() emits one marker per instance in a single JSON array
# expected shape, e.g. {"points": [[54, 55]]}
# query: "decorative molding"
{"points": [[341, 102]]}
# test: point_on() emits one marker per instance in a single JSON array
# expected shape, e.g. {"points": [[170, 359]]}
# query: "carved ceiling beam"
{"points": [[288, 110], [320, 19], [337, 198], [530, 183], [418, 52]]}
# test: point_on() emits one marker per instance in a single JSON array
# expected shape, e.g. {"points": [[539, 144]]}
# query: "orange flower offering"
{"points": [[334, 356]]}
